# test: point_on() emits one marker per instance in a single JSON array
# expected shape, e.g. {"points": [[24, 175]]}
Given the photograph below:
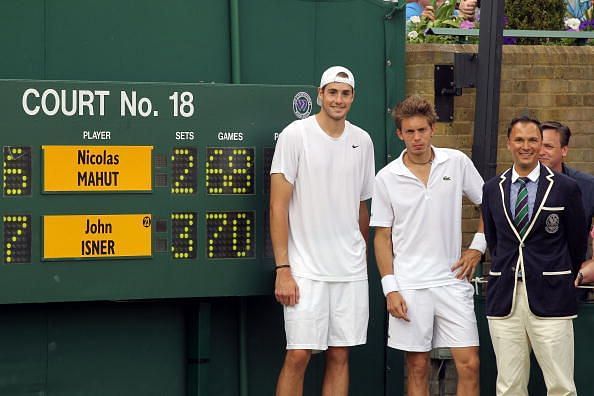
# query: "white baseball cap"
{"points": [[332, 75]]}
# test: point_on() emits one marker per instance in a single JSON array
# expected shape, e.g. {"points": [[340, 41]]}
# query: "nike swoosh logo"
{"points": [[355, 146]]}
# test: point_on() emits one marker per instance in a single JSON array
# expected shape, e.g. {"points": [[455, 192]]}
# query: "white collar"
{"points": [[401, 169], [533, 176]]}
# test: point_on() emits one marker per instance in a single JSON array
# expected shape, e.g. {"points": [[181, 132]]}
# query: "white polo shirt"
{"points": [[330, 177], [426, 221]]}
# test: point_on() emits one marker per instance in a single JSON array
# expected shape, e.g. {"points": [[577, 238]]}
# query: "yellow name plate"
{"points": [[96, 236], [97, 168]]}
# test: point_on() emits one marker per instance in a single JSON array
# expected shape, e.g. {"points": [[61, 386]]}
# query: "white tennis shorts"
{"points": [[440, 317], [328, 314]]}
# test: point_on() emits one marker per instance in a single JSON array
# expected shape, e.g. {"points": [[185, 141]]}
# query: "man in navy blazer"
{"points": [[555, 147], [534, 226]]}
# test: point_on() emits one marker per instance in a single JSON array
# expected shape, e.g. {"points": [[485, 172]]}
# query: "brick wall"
{"points": [[548, 82]]}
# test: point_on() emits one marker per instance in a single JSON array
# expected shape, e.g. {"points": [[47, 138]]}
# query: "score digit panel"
{"points": [[16, 171], [230, 170], [183, 235], [17, 239], [230, 235], [183, 162], [88, 168]]}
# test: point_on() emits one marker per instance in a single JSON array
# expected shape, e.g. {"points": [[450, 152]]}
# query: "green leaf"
{"points": [[451, 23], [445, 11]]}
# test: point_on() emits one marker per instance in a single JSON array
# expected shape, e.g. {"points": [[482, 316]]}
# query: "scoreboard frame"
{"points": [[183, 125]]}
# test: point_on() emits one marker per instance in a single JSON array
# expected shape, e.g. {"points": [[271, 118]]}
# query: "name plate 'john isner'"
{"points": [[97, 247], [97, 236]]}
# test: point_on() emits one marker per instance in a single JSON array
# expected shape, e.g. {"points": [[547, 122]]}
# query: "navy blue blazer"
{"points": [[585, 182], [549, 254]]}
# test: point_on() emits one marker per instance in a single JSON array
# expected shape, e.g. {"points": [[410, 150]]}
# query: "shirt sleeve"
{"points": [[368, 177], [473, 182], [575, 222], [382, 214], [286, 153]]}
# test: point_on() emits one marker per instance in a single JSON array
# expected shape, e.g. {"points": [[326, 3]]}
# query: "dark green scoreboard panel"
{"points": [[115, 191]]}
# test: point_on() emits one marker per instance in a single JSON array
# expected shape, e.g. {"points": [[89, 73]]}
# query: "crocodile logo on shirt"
{"points": [[447, 178]]}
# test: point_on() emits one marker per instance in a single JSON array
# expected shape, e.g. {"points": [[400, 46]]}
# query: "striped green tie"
{"points": [[521, 218]]}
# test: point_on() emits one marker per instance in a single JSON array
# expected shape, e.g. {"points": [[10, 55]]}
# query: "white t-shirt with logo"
{"points": [[330, 177], [426, 221]]}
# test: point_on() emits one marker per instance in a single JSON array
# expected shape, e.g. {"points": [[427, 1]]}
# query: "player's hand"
{"points": [[587, 273], [397, 306], [428, 13], [464, 268], [286, 290]]}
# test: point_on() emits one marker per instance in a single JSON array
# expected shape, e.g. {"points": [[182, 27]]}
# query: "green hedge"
{"points": [[535, 15]]}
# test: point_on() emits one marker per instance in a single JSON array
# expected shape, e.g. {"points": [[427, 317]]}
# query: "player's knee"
{"points": [[337, 356], [418, 365], [468, 368], [297, 359]]}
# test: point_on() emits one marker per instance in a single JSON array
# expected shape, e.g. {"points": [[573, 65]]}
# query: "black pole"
{"points": [[486, 113]]}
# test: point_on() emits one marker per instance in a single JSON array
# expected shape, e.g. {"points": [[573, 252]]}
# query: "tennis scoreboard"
{"points": [[115, 191]]}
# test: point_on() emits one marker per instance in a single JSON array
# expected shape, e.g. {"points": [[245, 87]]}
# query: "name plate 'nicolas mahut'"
{"points": [[97, 168]]}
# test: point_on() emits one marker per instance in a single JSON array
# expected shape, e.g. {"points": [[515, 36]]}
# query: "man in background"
{"points": [[555, 148]]}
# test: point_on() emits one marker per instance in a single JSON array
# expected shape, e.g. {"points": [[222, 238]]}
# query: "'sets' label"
{"points": [[96, 236]]}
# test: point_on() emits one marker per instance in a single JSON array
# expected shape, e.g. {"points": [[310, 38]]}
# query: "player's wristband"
{"points": [[389, 284], [281, 266], [479, 242]]}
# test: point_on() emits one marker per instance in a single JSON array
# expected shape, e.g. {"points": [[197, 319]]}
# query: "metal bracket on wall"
{"points": [[449, 81]]}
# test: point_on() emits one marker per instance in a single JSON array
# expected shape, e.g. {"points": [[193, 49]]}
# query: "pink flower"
{"points": [[467, 25]]}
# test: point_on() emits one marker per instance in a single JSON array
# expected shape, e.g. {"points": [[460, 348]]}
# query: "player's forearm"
{"points": [[383, 251], [481, 224], [383, 255], [281, 192], [479, 241], [279, 233]]}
